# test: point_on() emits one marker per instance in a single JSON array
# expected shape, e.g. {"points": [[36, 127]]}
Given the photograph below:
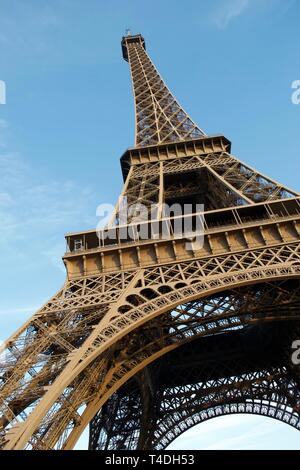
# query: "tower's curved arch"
{"points": [[191, 332], [287, 416], [263, 275]]}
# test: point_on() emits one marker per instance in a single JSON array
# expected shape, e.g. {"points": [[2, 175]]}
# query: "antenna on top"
{"points": [[128, 32]]}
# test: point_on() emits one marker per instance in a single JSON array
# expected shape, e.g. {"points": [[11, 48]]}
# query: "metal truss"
{"points": [[159, 117], [218, 180], [98, 350], [235, 371], [214, 316]]}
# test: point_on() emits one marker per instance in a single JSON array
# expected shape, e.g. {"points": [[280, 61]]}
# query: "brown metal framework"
{"points": [[148, 337], [159, 117]]}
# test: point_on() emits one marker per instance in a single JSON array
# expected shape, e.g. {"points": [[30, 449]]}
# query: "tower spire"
{"points": [[158, 116]]}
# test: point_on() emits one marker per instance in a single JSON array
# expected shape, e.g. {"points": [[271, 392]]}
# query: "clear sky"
{"points": [[69, 116]]}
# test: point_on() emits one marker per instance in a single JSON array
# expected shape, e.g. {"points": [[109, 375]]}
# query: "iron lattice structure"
{"points": [[148, 337]]}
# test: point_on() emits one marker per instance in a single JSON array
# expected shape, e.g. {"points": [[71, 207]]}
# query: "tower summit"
{"points": [[149, 336], [130, 39]]}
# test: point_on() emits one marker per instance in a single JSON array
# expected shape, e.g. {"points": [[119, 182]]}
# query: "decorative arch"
{"points": [[287, 416], [251, 391], [129, 321], [284, 351]]}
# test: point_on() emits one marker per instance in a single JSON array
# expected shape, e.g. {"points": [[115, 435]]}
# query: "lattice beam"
{"points": [[159, 117]]}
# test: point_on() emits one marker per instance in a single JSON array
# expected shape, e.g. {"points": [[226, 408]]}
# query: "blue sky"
{"points": [[69, 117]]}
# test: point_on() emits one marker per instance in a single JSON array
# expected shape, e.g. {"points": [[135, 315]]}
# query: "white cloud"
{"points": [[29, 207], [3, 39], [243, 440], [26, 26], [229, 10], [54, 254], [5, 199], [238, 432], [4, 126], [17, 311], [36, 211], [211, 426]]}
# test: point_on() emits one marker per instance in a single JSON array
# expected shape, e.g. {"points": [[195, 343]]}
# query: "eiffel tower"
{"points": [[150, 336]]}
